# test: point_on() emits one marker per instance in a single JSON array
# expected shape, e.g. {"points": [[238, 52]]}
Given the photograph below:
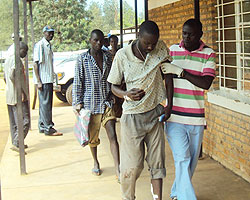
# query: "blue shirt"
{"points": [[90, 86]]}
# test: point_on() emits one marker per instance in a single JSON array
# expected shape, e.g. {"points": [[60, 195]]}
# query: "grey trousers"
{"points": [[12, 110], [45, 108], [138, 131]]}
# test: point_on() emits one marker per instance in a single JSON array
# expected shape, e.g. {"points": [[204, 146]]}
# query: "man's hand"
{"points": [[77, 108], [40, 85], [24, 97], [167, 113], [168, 68], [135, 94]]}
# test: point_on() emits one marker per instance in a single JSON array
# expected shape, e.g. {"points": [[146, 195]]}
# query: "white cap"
{"points": [[12, 36]]}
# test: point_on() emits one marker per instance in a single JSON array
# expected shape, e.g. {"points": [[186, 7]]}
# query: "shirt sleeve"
{"points": [[209, 67], [38, 53], [12, 69], [116, 73], [163, 52], [78, 83]]}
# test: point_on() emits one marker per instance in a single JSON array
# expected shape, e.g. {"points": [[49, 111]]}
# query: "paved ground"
{"points": [[59, 169]]}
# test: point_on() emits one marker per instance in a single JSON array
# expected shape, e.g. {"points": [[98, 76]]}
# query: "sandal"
{"points": [[96, 172], [118, 179]]}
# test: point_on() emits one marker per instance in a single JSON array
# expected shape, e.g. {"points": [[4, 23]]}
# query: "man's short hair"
{"points": [[97, 32], [194, 23], [23, 45], [149, 27], [114, 37]]}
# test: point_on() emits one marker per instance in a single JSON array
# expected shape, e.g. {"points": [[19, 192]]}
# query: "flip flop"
{"points": [[118, 179], [96, 172], [54, 134]]}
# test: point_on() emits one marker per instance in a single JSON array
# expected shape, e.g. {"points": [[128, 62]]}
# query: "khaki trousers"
{"points": [[138, 130]]}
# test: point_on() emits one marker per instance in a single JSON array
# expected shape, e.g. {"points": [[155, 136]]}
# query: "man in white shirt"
{"points": [[138, 65], [11, 96], [44, 78]]}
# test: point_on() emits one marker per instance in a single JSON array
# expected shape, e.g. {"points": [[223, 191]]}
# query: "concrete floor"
{"points": [[58, 168]]}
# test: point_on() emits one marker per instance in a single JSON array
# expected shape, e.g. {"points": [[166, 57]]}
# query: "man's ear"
{"points": [[201, 33]]}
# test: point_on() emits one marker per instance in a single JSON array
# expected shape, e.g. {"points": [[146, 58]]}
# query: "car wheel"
{"points": [[69, 94], [61, 96]]}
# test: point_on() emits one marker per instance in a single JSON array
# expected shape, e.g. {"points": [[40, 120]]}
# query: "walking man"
{"points": [[11, 96], [184, 129], [91, 91], [138, 65], [113, 40], [44, 78]]}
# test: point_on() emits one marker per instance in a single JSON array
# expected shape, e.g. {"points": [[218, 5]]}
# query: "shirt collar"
{"points": [[130, 54], [46, 42], [104, 53], [105, 58], [202, 44]]}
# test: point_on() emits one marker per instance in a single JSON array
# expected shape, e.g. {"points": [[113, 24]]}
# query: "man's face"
{"points": [[191, 36], [148, 42], [96, 41], [49, 35], [23, 52], [113, 42]]}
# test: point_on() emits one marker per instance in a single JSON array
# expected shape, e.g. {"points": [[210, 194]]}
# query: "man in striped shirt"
{"points": [[44, 78], [184, 129], [91, 91]]}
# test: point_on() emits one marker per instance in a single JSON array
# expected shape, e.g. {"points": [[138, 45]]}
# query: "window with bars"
{"points": [[233, 18]]}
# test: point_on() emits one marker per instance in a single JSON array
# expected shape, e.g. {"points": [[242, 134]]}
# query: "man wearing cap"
{"points": [[43, 77]]}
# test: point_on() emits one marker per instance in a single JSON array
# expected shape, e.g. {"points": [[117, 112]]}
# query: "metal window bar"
{"points": [[227, 3], [223, 43], [219, 45], [231, 53], [233, 28], [237, 40]]}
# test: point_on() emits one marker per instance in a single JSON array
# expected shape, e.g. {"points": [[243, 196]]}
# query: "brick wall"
{"points": [[227, 139], [227, 136], [171, 17]]}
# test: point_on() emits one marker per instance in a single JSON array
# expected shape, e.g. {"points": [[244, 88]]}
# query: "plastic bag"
{"points": [[81, 127]]}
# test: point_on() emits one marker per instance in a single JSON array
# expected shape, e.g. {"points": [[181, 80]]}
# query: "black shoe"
{"points": [[41, 131]]}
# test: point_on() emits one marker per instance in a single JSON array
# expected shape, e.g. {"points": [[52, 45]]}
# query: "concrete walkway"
{"points": [[60, 169]]}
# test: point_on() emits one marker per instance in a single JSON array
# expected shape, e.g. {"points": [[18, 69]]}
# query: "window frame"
{"points": [[241, 56]]}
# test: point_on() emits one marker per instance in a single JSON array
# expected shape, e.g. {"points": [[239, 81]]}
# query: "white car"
{"points": [[64, 70]]}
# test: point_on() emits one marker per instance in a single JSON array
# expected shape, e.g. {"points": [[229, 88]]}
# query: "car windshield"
{"points": [[71, 58], [61, 60]]}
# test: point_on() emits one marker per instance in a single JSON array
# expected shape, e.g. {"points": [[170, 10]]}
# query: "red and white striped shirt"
{"points": [[188, 100]]}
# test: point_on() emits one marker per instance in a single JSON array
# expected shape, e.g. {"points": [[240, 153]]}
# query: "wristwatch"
{"points": [[127, 98], [182, 74]]}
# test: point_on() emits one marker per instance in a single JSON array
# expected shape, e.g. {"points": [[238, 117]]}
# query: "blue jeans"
{"points": [[185, 142]]}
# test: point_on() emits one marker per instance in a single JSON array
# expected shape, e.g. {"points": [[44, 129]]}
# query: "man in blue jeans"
{"points": [[184, 129]]}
